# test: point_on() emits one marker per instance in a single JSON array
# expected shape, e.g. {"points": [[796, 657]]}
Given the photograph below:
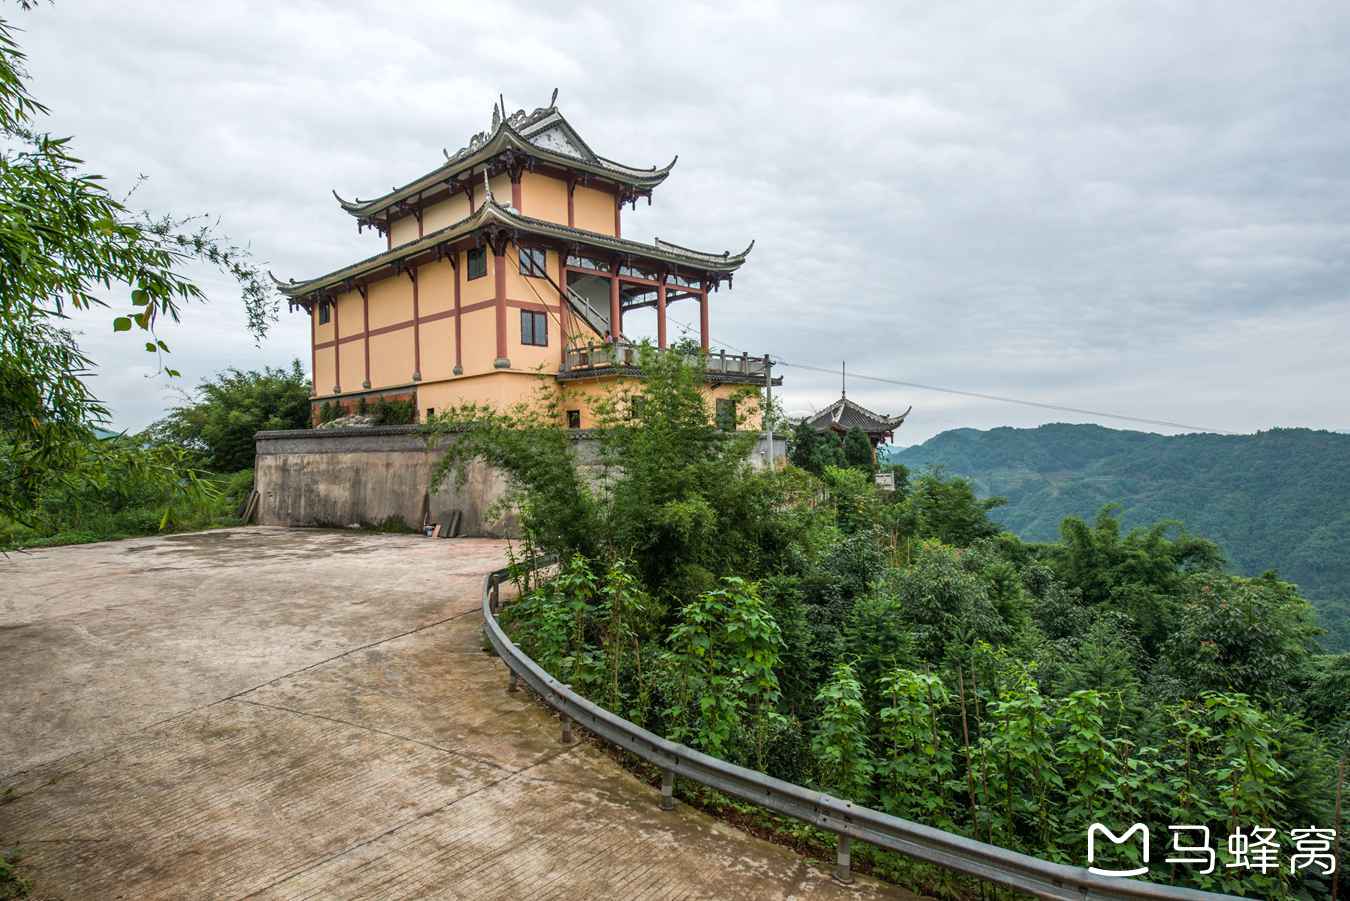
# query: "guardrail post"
{"points": [[496, 598], [515, 682], [843, 869], [566, 725], [667, 789]]}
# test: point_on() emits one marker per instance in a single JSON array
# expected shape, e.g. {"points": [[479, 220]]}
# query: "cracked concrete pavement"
{"points": [[310, 714]]}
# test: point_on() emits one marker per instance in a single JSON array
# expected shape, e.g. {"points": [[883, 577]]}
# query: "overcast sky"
{"points": [[1141, 208]]}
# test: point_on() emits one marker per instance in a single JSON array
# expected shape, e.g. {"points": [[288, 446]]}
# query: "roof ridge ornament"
{"points": [[553, 101]]}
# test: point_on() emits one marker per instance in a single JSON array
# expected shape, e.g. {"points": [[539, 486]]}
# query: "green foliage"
{"points": [[916, 758], [857, 450], [719, 676], [813, 451], [394, 412], [12, 884], [558, 512], [1251, 636], [1278, 499], [64, 240], [226, 410], [119, 489], [898, 649], [840, 744]]}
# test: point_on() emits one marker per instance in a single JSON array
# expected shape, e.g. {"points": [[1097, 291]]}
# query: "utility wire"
{"points": [[976, 394]]}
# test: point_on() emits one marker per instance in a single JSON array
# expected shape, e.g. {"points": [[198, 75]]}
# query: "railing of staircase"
{"points": [[848, 821]]}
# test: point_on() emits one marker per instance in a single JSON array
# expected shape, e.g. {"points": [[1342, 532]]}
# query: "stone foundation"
{"points": [[380, 476]]}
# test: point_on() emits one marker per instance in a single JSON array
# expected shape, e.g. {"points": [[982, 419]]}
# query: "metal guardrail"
{"points": [[845, 819]]}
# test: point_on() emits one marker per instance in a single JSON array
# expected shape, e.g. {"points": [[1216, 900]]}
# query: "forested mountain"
{"points": [[1274, 500]]}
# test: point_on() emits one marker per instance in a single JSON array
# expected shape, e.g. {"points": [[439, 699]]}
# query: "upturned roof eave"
{"points": [[506, 138], [506, 217]]}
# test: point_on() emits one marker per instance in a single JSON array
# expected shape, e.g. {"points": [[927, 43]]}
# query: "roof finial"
{"points": [[843, 379], [487, 186], [496, 117], [553, 101]]}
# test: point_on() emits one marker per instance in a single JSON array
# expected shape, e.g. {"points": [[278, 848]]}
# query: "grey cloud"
{"points": [[1136, 207]]}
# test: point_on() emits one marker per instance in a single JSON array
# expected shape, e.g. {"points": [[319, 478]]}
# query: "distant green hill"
{"points": [[1274, 500]]}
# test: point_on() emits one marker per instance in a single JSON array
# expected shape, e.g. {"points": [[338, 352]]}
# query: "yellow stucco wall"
{"points": [[323, 373], [543, 197], [353, 365], [474, 290], [435, 288], [349, 321], [403, 230], [391, 357], [446, 212], [390, 301], [322, 331], [480, 341], [583, 395], [501, 189], [593, 210], [500, 389], [438, 349]]}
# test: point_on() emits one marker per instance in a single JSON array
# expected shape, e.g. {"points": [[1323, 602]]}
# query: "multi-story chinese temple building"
{"points": [[507, 260]]}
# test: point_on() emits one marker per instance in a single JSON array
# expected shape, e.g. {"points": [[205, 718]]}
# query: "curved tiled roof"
{"points": [[492, 214], [527, 134], [844, 414]]}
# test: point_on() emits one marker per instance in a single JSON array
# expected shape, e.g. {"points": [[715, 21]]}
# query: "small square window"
{"points": [[477, 262], [325, 313], [533, 328], [574, 419], [431, 411], [532, 260]]}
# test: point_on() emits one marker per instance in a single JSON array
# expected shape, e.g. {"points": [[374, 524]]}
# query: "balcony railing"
{"points": [[622, 354]]}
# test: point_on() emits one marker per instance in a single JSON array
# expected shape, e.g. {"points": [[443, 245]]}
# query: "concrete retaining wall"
{"points": [[369, 476]]}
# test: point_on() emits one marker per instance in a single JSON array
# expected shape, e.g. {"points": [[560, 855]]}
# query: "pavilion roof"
{"points": [[495, 217], [543, 135], [844, 414]]}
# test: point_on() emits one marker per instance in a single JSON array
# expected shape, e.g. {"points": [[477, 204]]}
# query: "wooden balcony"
{"points": [[596, 359]]}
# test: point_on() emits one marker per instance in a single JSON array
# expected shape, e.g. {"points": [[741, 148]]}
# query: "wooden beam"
{"points": [[703, 319], [661, 315], [499, 276], [459, 321], [365, 328]]}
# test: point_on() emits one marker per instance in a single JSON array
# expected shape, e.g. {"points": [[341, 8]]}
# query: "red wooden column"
{"points": [[365, 328], [337, 350], [499, 275], [562, 307], [417, 329], [661, 314], [615, 317], [515, 190], [571, 206], [314, 349], [618, 206], [459, 322], [703, 319]]}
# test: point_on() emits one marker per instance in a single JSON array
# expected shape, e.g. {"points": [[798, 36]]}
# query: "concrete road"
{"points": [[309, 714]]}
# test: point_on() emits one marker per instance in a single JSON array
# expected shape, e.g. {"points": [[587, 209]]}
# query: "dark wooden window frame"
{"points": [[532, 326], [534, 262], [325, 312], [477, 263]]}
